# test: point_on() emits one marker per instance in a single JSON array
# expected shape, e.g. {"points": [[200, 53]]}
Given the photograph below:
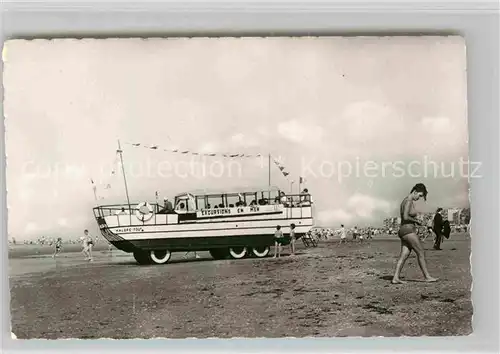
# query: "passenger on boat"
{"points": [[305, 197], [253, 203], [122, 212], [284, 199], [168, 208], [263, 201]]}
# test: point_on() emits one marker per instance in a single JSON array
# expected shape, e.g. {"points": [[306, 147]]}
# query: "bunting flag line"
{"points": [[194, 153], [277, 162]]}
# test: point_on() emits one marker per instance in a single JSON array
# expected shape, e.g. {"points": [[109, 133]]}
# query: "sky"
{"points": [[362, 119]]}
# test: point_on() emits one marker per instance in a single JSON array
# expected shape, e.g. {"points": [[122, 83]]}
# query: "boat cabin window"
{"points": [[216, 201], [201, 203], [235, 200], [185, 204]]}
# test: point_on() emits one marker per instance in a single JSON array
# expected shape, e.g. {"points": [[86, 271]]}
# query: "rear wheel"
{"points": [[260, 252], [142, 257], [237, 252], [160, 256]]}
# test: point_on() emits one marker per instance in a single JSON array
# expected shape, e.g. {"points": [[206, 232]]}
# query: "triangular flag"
{"points": [[154, 147], [285, 174], [137, 144], [281, 168]]}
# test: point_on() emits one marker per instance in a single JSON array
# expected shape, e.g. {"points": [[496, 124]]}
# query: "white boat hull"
{"points": [[204, 231]]}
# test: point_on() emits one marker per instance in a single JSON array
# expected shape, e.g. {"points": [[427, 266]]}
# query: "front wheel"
{"points": [[160, 257], [237, 252], [261, 252]]}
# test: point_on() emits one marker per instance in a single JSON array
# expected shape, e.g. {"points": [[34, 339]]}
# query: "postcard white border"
{"points": [[477, 21]]}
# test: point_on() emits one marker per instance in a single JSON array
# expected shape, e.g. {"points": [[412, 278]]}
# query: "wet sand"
{"points": [[328, 291]]}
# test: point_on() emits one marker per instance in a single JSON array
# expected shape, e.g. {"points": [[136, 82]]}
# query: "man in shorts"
{"points": [[88, 244], [58, 246], [279, 239]]}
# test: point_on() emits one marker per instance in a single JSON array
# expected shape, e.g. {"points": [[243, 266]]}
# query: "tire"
{"points": [[160, 256], [237, 252], [218, 253], [261, 252], [142, 257]]}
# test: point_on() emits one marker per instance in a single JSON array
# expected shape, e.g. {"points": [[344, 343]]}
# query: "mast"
{"points": [[269, 175], [119, 151]]}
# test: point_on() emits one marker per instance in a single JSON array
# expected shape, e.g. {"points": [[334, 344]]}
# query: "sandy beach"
{"points": [[331, 290]]}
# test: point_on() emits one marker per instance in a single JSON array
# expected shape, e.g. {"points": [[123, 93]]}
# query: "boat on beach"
{"points": [[234, 225], [230, 225]]}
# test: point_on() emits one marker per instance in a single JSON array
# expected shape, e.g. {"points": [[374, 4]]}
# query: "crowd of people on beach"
{"points": [[412, 231]]}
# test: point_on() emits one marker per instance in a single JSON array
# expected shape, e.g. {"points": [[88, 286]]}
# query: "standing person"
{"points": [[438, 228], [343, 234], [355, 233], [57, 247], [292, 239], [278, 241], [429, 229], [88, 245], [407, 233]]}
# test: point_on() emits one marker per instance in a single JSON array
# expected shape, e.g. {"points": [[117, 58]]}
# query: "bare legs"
{"points": [[89, 250], [411, 242], [405, 253], [277, 249]]}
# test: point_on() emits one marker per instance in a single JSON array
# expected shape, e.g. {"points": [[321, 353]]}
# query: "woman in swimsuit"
{"points": [[407, 233]]}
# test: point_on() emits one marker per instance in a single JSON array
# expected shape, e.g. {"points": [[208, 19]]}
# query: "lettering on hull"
{"points": [[128, 229], [240, 211]]}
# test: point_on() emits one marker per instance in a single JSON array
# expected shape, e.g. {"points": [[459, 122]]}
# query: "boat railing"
{"points": [[290, 201], [121, 209]]}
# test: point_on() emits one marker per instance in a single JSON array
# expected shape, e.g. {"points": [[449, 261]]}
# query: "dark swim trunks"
{"points": [[282, 240], [406, 229]]}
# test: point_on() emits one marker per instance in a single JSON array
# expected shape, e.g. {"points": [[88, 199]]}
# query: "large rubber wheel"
{"points": [[218, 253], [261, 252], [142, 257], [160, 256], [237, 252]]}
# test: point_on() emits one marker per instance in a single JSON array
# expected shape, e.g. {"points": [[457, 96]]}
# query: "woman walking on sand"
{"points": [[408, 234]]}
